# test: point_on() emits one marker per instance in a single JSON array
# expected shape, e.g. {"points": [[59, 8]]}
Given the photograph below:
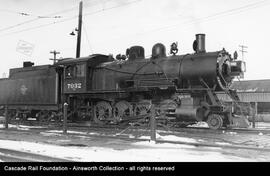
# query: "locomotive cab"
{"points": [[75, 77], [78, 72]]}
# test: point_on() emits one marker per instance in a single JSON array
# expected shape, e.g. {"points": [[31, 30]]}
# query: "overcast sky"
{"points": [[111, 26]]}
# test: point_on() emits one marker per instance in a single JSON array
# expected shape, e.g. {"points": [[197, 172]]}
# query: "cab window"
{"points": [[74, 71], [69, 71], [80, 70]]}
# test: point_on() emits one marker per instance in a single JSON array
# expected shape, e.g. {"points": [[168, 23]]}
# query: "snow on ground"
{"points": [[229, 132], [137, 151], [50, 134], [222, 143], [144, 137], [176, 138], [18, 127], [21, 126], [31, 127], [60, 132], [0, 159], [171, 138], [199, 124], [9, 125], [150, 152], [69, 131]]}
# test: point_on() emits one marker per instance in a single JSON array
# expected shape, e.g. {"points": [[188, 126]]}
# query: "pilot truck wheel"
{"points": [[215, 121]]}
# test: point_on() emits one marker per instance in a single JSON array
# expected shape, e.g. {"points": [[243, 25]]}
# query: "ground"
{"points": [[80, 145]]}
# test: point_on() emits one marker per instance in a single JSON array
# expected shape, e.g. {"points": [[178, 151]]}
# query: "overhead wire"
{"points": [[236, 10], [110, 8], [67, 19], [209, 17], [36, 27], [87, 38], [16, 25], [10, 11], [37, 17], [29, 14], [203, 19]]}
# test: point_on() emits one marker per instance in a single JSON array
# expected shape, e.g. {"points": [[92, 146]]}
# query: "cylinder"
{"points": [[189, 114], [200, 39]]}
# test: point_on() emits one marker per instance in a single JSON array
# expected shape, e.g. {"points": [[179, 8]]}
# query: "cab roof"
{"points": [[94, 60]]}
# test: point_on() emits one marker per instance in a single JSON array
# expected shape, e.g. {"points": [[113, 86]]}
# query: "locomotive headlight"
{"points": [[237, 68]]}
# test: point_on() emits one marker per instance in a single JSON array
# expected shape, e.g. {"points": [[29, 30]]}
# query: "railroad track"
{"points": [[9, 155], [221, 131], [188, 130], [108, 133], [124, 132], [174, 129], [117, 132], [197, 132], [196, 144], [124, 126]]}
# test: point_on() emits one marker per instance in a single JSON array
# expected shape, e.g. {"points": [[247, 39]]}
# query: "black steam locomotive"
{"points": [[107, 90]]}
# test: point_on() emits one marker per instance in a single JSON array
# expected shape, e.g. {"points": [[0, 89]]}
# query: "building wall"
{"points": [[261, 98], [248, 96], [263, 108]]}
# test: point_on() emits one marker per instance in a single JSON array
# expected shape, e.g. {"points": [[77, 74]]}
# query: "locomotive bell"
{"points": [[199, 43]]}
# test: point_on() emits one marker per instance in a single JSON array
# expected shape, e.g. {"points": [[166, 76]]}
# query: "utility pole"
{"points": [[78, 50], [242, 50], [54, 55]]}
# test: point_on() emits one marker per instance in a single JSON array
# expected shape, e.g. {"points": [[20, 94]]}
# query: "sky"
{"points": [[112, 26]]}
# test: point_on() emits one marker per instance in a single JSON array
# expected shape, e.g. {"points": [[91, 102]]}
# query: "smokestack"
{"points": [[199, 43]]}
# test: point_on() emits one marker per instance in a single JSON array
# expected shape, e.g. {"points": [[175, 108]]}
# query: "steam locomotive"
{"points": [[107, 90]]}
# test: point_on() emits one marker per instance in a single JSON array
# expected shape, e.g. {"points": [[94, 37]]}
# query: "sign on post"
{"points": [[153, 123], [6, 117], [25, 48], [65, 118]]}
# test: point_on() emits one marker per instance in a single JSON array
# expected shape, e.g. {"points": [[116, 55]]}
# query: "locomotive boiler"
{"points": [[182, 88]]}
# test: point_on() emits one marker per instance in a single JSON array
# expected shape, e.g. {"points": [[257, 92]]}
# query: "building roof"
{"points": [[252, 85]]}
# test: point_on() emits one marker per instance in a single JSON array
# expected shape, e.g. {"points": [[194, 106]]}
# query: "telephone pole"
{"points": [[242, 50], [78, 50], [54, 55]]}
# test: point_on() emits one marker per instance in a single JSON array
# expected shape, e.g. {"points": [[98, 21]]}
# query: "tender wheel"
{"points": [[214, 121], [42, 116], [102, 112], [142, 107], [122, 109], [54, 117]]}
